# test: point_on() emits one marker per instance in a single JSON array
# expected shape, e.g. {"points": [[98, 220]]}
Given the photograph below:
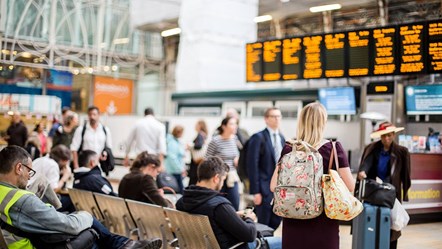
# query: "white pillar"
{"points": [[212, 43]]}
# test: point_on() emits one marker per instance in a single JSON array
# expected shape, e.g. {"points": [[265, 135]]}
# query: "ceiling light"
{"points": [[285, 1], [170, 32], [26, 55], [121, 41], [325, 8], [264, 18], [114, 68]]}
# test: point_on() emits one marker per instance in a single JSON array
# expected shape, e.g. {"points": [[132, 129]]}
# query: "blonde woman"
{"points": [[320, 232]]}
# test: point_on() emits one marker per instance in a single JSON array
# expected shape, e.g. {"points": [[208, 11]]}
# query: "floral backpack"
{"points": [[298, 193]]}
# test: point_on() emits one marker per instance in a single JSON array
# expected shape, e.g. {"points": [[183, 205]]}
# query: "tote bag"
{"points": [[340, 204]]}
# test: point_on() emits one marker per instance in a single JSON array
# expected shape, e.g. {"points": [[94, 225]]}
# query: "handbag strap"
{"points": [[333, 156]]}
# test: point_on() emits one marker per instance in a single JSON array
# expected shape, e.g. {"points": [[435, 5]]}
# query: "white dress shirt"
{"points": [[149, 135], [94, 139]]}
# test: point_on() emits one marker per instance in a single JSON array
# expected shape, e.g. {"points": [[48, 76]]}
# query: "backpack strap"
{"points": [[82, 137], [105, 135]]}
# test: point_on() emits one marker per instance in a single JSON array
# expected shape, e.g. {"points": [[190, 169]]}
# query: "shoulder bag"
{"points": [[373, 192], [340, 204]]}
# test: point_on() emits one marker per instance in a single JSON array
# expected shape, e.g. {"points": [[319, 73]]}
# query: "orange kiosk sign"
{"points": [[112, 95]]}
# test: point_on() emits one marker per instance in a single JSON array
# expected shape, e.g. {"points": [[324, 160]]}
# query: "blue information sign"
{"points": [[338, 101], [423, 99]]}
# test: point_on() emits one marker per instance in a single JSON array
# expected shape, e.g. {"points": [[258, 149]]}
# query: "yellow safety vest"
{"points": [[9, 196]]}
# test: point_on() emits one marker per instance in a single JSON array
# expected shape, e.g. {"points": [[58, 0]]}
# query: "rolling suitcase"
{"points": [[364, 228], [383, 228]]}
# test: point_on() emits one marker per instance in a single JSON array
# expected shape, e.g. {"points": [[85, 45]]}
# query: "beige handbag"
{"points": [[340, 204]]}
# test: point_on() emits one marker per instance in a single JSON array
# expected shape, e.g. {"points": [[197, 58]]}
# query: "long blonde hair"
{"points": [[311, 123]]}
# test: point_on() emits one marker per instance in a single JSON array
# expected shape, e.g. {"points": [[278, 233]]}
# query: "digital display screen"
{"points": [[334, 45], [411, 48], [435, 47], [423, 99], [313, 57], [358, 50], [272, 60], [384, 41], [254, 62], [291, 58], [338, 101]]}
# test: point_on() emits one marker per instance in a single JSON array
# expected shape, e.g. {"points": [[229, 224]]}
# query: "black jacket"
{"points": [[399, 161], [93, 181], [228, 227]]}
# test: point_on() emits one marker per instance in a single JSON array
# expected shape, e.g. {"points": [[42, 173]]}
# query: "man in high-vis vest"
{"points": [[22, 210]]}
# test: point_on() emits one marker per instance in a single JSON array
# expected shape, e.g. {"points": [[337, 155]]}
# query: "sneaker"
{"points": [[155, 243]]}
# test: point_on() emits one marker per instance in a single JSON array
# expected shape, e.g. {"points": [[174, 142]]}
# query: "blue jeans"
{"points": [[232, 194], [107, 239], [273, 242], [179, 180]]}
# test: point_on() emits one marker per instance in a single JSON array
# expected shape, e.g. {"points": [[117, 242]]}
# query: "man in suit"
{"points": [[263, 151]]}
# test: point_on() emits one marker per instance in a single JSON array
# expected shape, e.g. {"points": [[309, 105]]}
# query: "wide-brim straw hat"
{"points": [[385, 128]]}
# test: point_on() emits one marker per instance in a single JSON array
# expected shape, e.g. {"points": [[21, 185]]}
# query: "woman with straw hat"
{"points": [[388, 161]]}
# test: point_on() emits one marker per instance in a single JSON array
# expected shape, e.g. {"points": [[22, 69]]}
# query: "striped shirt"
{"points": [[224, 148]]}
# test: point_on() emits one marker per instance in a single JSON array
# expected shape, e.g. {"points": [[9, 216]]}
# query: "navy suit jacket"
{"points": [[260, 160]]}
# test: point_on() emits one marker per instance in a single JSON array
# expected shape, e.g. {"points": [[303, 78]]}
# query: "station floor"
{"points": [[414, 236]]}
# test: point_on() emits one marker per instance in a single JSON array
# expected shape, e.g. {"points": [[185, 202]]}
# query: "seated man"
{"points": [[88, 175], [230, 227], [22, 211], [54, 168]]}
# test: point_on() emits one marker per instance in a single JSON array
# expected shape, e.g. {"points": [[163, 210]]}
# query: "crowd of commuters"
{"points": [[73, 151]]}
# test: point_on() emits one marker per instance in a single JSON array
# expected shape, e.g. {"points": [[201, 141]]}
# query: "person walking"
{"points": [[390, 162], [149, 135], [198, 150], [225, 146], [175, 156], [64, 134], [319, 232], [263, 151], [17, 133], [95, 137]]}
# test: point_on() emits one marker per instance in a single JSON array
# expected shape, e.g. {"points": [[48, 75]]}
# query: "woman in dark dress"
{"points": [[198, 150], [319, 232]]}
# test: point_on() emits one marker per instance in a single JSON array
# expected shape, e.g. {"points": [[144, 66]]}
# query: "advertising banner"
{"points": [[113, 96]]}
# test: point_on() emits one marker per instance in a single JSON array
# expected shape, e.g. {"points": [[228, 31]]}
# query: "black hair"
{"points": [[148, 111], [210, 167], [85, 157], [60, 153], [10, 156]]}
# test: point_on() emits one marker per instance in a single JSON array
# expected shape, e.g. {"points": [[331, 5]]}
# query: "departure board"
{"points": [[435, 46], [272, 60], [313, 56], [411, 47], [384, 41], [358, 53], [291, 58], [334, 45], [254, 62]]}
